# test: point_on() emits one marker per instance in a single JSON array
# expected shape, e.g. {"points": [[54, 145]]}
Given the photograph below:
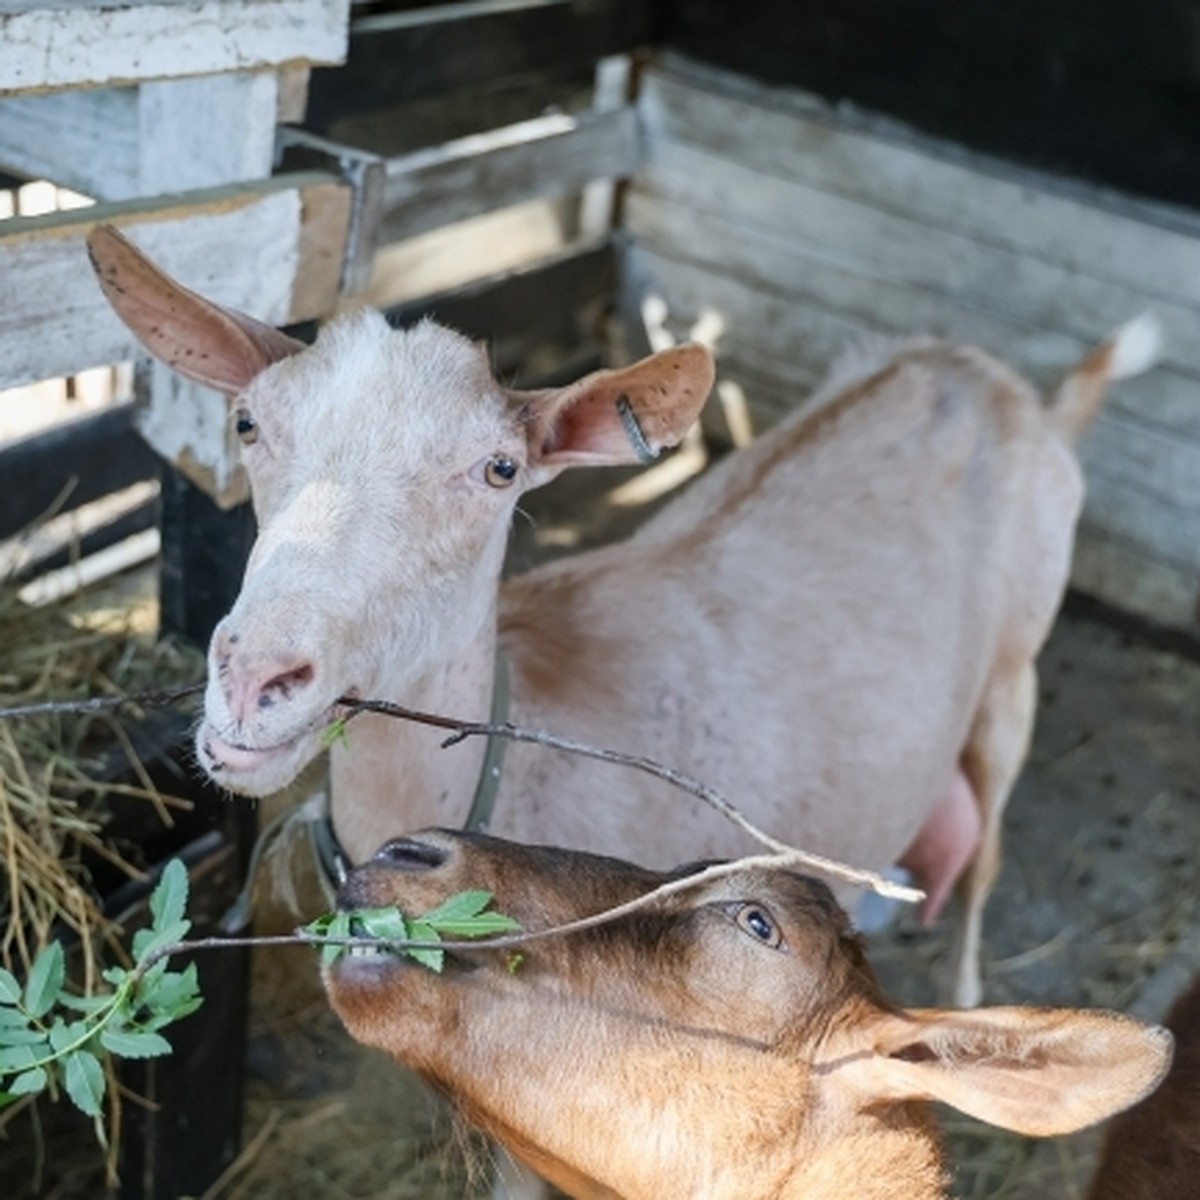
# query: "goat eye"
{"points": [[245, 426], [499, 471], [757, 922]]}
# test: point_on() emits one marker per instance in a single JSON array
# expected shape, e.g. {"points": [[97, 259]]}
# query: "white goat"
{"points": [[728, 1042], [836, 626]]}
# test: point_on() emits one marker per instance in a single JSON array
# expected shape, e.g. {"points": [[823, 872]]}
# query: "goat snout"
{"points": [[253, 683]]}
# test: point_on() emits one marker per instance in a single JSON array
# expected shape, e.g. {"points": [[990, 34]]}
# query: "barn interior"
{"points": [[578, 182]]}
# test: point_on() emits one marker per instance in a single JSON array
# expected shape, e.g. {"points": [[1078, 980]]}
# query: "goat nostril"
{"points": [[410, 855], [281, 686]]}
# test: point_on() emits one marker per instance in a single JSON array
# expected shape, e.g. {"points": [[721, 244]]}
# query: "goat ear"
{"points": [[210, 344], [622, 416], [1039, 1072]]}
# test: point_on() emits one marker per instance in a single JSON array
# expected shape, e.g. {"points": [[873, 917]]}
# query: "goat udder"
{"points": [[944, 845]]}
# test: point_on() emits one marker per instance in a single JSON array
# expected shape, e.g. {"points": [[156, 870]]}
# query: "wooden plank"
{"points": [[724, 244], [547, 157], [99, 43], [244, 246], [1126, 576], [797, 136], [98, 454], [117, 143], [397, 57], [74, 137], [898, 249], [46, 554], [545, 301], [1124, 116]]}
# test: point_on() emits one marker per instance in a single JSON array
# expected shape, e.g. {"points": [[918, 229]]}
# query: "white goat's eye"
{"points": [[500, 471], [759, 924], [244, 424]]}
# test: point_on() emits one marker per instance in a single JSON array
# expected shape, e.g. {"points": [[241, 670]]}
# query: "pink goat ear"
{"points": [[622, 416], [214, 346]]}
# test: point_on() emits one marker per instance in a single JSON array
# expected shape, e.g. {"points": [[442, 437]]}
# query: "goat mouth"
{"points": [[257, 769], [225, 754]]}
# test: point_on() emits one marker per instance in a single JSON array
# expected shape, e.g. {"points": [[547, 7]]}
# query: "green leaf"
{"points": [[133, 1043], [20, 1058], [463, 916], [14, 1036], [11, 1016], [318, 927], [45, 980], [83, 1078], [333, 733], [170, 993], [10, 989], [422, 931], [62, 1035], [338, 927], [80, 1004], [387, 924], [483, 925], [168, 902], [28, 1082], [458, 907], [147, 941]]}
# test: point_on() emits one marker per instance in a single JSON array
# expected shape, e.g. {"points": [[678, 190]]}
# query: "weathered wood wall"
{"points": [[1106, 92], [795, 228]]}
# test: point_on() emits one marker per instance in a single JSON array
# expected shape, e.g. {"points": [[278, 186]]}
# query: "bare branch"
{"points": [[783, 854], [95, 704]]}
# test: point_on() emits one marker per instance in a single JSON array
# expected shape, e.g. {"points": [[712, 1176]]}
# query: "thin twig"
{"points": [[507, 941], [784, 855], [101, 703]]}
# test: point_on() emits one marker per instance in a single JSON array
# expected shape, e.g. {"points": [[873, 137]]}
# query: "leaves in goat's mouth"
{"points": [[460, 917], [333, 733]]}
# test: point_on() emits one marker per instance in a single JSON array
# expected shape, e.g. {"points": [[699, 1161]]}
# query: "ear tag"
{"points": [[633, 431]]}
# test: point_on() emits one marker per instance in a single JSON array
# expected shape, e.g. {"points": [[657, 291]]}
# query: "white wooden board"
{"points": [[248, 247], [790, 135], [168, 136], [543, 158], [98, 43]]}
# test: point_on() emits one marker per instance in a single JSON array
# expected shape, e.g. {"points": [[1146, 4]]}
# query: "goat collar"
{"points": [[335, 863]]}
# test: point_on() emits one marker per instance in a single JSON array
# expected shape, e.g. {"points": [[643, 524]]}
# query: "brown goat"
{"points": [[729, 1042], [1152, 1152]]}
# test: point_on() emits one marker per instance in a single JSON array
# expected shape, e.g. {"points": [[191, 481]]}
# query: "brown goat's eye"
{"points": [[244, 424], [759, 924], [500, 471]]}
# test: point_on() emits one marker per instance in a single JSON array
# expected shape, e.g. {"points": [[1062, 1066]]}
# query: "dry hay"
{"points": [[57, 776]]}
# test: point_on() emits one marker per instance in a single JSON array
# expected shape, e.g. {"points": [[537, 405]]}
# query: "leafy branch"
{"points": [[52, 1040], [461, 916]]}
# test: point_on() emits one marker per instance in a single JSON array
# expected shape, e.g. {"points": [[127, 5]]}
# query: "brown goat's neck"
{"points": [[892, 1156], [392, 776]]}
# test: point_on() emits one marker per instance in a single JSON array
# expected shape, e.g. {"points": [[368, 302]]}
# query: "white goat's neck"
{"points": [[392, 776]]}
